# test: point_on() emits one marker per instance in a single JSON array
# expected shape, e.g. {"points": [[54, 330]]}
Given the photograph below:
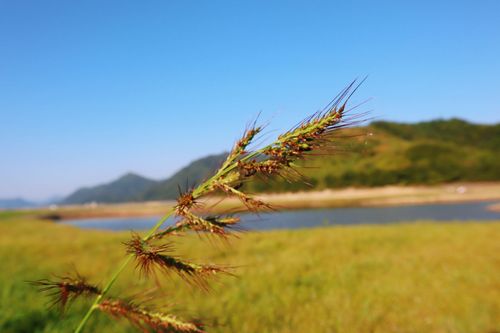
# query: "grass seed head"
{"points": [[146, 320], [313, 135], [242, 144], [65, 289], [185, 201], [217, 226], [250, 202], [158, 257]]}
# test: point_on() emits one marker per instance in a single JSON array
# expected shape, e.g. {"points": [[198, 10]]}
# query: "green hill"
{"points": [[386, 153], [129, 187], [192, 174], [132, 187], [382, 153]]}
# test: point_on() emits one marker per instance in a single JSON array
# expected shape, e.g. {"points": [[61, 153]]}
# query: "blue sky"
{"points": [[90, 90]]}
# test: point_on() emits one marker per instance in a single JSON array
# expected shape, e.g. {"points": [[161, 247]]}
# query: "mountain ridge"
{"points": [[132, 187], [127, 187], [9, 203]]}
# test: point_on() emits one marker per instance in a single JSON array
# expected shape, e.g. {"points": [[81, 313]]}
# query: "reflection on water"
{"points": [[320, 217]]}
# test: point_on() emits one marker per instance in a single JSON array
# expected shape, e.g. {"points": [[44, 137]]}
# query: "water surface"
{"points": [[320, 217]]}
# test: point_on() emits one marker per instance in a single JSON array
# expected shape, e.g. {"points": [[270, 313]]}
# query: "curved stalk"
{"points": [[117, 273], [199, 191], [314, 129]]}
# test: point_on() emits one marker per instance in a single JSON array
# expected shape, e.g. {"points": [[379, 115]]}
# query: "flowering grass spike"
{"points": [[154, 251]]}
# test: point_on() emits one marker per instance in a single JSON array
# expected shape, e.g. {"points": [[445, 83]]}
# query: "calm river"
{"points": [[320, 217]]}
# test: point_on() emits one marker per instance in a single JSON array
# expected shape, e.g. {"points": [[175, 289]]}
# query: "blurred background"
{"points": [[108, 107]]}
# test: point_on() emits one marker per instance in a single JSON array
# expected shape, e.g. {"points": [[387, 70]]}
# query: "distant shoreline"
{"points": [[495, 207], [348, 197]]}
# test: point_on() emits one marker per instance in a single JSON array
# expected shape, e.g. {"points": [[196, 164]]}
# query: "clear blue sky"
{"points": [[92, 89]]}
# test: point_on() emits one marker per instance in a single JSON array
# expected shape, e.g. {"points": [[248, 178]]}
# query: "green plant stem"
{"points": [[204, 188], [117, 273]]}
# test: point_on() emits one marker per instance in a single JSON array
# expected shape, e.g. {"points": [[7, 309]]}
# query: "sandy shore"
{"points": [[348, 197], [389, 195], [495, 207]]}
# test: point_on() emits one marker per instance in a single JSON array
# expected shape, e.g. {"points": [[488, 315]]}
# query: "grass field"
{"points": [[419, 277]]}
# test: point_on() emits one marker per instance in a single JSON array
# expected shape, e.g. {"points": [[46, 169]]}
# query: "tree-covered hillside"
{"points": [[129, 187], [132, 187], [392, 153], [193, 174]]}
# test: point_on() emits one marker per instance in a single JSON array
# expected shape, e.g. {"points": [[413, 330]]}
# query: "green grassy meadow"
{"points": [[418, 277]]}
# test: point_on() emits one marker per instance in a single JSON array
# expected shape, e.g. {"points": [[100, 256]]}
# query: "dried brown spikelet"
{"points": [[216, 225], [250, 202], [150, 257], [305, 138], [199, 224], [268, 167], [242, 144], [210, 225], [66, 289], [314, 131], [185, 201], [148, 321]]}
